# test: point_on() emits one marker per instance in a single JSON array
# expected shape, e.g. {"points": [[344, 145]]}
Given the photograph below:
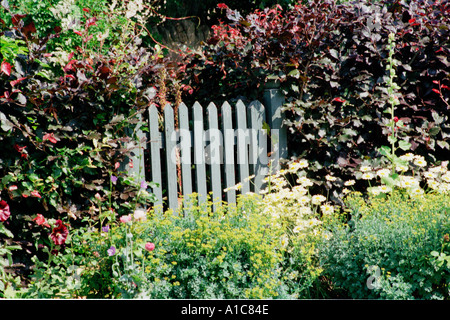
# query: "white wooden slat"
{"points": [[171, 160], [185, 146], [257, 147], [155, 153], [242, 146], [215, 153], [228, 134], [199, 153]]}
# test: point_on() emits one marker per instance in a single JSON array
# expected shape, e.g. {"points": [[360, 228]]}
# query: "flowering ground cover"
{"points": [[359, 210]]}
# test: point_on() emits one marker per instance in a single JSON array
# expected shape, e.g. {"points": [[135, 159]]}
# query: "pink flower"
{"points": [[126, 218], [4, 210], [41, 221], [149, 246]]}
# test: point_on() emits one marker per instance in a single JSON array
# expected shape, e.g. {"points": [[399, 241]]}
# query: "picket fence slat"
{"points": [[155, 153], [228, 135], [208, 153], [171, 157], [214, 153], [199, 154], [242, 145], [185, 144]]}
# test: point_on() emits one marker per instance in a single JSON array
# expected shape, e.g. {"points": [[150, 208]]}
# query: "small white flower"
{"points": [[284, 241], [330, 177], [420, 162], [429, 174], [303, 163], [349, 183], [305, 210], [401, 168], [367, 176], [303, 200], [327, 209], [318, 199], [433, 184], [417, 191], [384, 189], [383, 173], [446, 177], [407, 157], [304, 181], [365, 168]]}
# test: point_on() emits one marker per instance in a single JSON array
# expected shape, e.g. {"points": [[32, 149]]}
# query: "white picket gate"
{"points": [[210, 149]]}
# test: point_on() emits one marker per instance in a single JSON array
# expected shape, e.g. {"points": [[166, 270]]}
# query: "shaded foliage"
{"points": [[330, 61]]}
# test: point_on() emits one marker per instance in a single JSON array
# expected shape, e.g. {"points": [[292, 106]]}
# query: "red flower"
{"points": [[436, 91], [59, 233], [77, 32], [50, 137], [91, 22], [222, 6], [19, 148], [4, 210], [35, 194], [41, 221], [339, 99], [395, 119]]}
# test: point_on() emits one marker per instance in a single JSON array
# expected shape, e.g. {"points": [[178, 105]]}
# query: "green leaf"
{"points": [[5, 231], [434, 253], [404, 145], [385, 151]]}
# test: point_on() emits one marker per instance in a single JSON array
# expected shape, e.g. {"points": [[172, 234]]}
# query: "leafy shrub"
{"points": [[385, 250], [167, 255], [207, 255], [241, 251], [68, 122], [331, 61]]}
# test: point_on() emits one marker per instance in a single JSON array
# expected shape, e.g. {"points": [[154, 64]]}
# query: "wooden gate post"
{"points": [[273, 100]]}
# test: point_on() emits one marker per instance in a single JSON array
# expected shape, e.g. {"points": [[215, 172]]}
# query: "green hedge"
{"points": [[392, 248]]}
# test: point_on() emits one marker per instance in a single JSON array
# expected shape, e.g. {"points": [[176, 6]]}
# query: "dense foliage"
{"points": [[331, 61], [68, 122], [392, 249], [363, 81]]}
